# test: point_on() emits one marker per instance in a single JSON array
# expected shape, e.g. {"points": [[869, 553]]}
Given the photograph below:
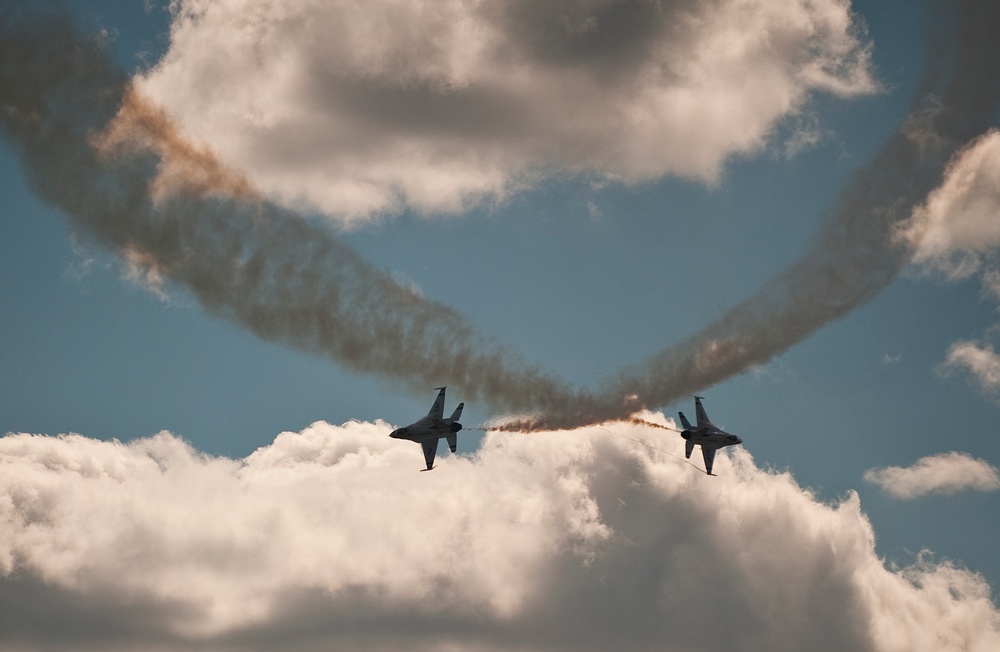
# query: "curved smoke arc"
{"points": [[120, 171]]}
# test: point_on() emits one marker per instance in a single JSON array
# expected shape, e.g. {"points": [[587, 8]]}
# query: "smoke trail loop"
{"points": [[122, 172]]}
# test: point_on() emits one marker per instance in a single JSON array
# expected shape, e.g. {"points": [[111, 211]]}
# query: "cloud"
{"points": [[980, 361], [957, 228], [956, 233], [355, 108], [330, 538], [946, 473]]}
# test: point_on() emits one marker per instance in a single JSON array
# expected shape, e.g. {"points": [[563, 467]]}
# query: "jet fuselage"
{"points": [[712, 437], [426, 429]]}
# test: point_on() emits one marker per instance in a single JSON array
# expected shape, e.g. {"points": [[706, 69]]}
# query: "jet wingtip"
{"points": [[429, 468]]}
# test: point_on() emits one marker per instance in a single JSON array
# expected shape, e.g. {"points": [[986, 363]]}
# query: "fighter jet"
{"points": [[707, 434], [431, 428]]}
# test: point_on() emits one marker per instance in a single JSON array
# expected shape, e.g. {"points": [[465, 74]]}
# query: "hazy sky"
{"points": [[231, 284]]}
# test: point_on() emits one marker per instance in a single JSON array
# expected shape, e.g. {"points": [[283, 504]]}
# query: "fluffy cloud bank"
{"points": [[331, 539], [369, 107], [946, 473]]}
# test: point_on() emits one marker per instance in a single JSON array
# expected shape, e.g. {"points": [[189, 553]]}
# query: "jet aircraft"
{"points": [[430, 429], [709, 436]]}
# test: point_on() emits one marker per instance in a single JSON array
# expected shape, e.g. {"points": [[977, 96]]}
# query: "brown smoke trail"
{"points": [[184, 168], [636, 421], [138, 188]]}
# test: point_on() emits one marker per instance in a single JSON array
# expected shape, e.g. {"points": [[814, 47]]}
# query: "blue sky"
{"points": [[580, 275]]}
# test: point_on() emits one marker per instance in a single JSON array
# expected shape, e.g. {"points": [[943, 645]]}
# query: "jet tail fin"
{"points": [[457, 414], [684, 421]]}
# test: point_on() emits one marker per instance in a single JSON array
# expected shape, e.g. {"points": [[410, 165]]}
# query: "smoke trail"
{"points": [[141, 190], [856, 254], [183, 168]]}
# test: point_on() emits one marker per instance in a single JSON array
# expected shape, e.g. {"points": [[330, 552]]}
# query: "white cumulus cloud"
{"points": [[363, 107], [946, 473], [958, 228], [331, 539], [980, 361]]}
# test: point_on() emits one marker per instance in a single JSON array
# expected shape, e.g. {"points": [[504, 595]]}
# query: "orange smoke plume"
{"points": [[184, 168]]}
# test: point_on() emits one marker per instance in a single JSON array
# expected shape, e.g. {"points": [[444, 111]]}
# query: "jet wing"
{"points": [[706, 451], [701, 415], [437, 410], [430, 447]]}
